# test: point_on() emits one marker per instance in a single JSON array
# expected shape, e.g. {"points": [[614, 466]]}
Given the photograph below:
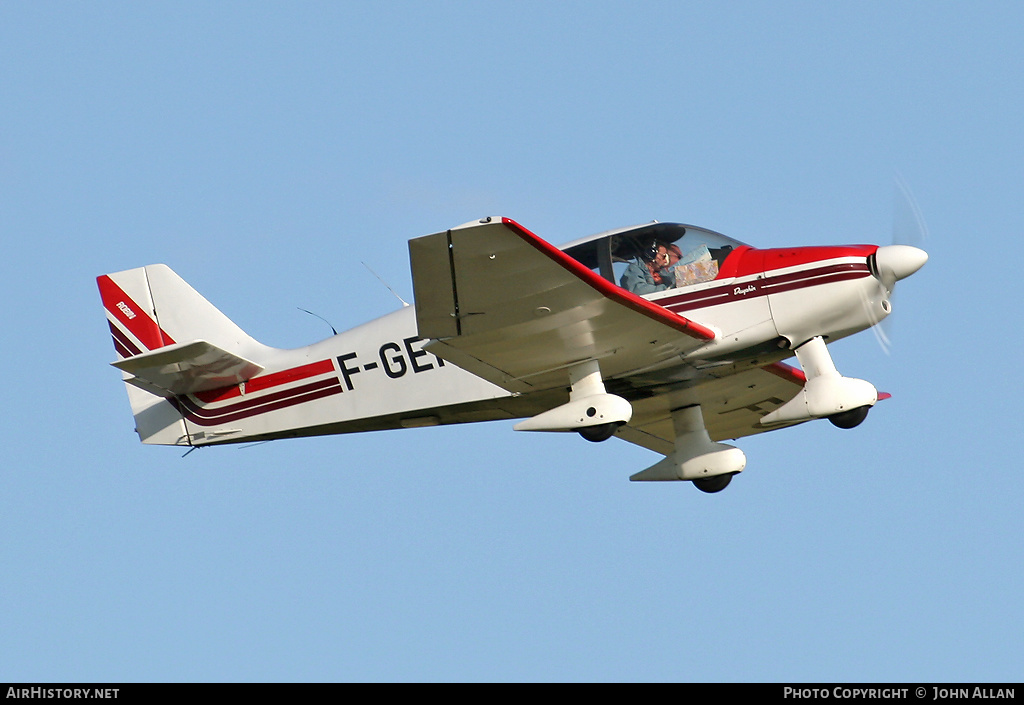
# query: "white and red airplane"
{"points": [[509, 326]]}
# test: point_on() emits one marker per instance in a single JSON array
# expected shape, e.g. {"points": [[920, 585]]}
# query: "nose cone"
{"points": [[897, 262]]}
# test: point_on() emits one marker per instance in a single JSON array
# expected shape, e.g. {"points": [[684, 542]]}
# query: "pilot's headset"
{"points": [[649, 251]]}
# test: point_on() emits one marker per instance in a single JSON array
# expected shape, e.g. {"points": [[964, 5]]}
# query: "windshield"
{"points": [[655, 257]]}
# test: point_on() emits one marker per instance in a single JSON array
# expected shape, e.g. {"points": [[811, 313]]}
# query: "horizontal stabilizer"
{"points": [[186, 368]]}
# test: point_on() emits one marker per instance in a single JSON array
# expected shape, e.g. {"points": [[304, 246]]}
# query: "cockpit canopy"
{"points": [[610, 253]]}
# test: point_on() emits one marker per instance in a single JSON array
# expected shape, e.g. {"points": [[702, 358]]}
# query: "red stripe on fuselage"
{"points": [[257, 384], [194, 408], [250, 407], [735, 291], [780, 258], [829, 275], [282, 404]]}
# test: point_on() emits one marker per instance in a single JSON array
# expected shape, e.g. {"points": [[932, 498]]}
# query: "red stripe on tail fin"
{"points": [[132, 316]]}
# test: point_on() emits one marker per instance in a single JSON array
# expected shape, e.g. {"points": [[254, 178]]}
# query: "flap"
{"points": [[186, 368], [517, 311]]}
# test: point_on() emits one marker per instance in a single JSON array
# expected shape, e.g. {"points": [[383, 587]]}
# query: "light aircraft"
{"points": [[508, 326]]}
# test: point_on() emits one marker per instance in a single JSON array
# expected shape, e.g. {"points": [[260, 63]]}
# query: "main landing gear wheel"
{"points": [[601, 432], [851, 418], [713, 484]]}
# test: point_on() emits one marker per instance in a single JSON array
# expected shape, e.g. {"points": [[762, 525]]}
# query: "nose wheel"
{"points": [[826, 393]]}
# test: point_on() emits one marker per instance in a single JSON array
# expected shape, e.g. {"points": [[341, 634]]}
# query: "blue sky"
{"points": [[264, 149]]}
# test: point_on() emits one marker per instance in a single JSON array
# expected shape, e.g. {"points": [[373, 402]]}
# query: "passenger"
{"points": [[643, 275], [668, 274]]}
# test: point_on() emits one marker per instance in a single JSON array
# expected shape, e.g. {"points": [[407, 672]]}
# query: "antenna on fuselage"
{"points": [[381, 280], [320, 317]]}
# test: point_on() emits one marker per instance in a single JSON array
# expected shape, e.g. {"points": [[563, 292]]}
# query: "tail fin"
{"points": [[171, 341]]}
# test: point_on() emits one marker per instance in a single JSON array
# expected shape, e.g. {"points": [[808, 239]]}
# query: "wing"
{"points": [[509, 307], [732, 405]]}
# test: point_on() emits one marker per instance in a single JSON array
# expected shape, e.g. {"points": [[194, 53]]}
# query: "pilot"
{"points": [[643, 275]]}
